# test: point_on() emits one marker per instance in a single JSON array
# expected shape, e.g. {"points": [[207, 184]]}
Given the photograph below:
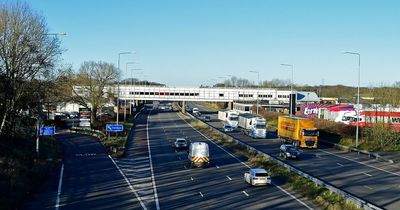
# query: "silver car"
{"points": [[257, 176], [180, 143]]}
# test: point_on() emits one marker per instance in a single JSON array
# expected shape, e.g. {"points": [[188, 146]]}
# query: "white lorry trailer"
{"points": [[253, 126], [230, 117]]}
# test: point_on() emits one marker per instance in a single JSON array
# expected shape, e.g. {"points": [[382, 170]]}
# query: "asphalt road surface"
{"points": [[219, 186], [375, 181], [90, 180]]}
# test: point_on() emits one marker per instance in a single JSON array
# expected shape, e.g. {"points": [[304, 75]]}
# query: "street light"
{"points": [[119, 58], [358, 91], [258, 84], [126, 75], [291, 88]]}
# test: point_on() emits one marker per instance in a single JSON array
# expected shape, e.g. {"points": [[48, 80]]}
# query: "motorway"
{"points": [[375, 181]]}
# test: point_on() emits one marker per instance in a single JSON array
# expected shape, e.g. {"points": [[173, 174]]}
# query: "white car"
{"points": [[180, 143], [227, 128], [257, 176], [195, 110]]}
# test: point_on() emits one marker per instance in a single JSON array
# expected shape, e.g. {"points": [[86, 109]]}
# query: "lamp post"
{"points": [[119, 58], [133, 100], [358, 92], [258, 84], [126, 78], [291, 88]]}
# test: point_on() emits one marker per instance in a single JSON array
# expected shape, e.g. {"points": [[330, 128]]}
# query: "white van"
{"points": [[199, 154]]}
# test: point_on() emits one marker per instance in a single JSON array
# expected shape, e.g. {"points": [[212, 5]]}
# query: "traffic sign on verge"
{"points": [[47, 131], [114, 127]]}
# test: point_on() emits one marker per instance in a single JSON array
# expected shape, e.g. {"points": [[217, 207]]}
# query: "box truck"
{"points": [[252, 125], [298, 131], [229, 116]]}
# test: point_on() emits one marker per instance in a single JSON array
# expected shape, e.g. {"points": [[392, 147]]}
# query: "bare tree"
{"points": [[26, 54], [93, 85]]}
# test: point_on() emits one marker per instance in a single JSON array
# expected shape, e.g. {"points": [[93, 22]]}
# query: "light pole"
{"points": [[291, 88], [258, 84], [133, 100], [119, 58], [126, 78], [358, 92]]}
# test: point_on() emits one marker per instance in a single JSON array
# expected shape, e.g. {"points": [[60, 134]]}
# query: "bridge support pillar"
{"points": [[184, 107], [230, 105]]}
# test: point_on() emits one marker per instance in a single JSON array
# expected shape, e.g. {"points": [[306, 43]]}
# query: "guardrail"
{"points": [[352, 149], [89, 131], [350, 197]]}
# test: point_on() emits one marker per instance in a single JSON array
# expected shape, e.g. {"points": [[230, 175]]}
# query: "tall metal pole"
{"points": [[126, 73], [291, 89], [119, 58], [358, 93], [258, 84]]}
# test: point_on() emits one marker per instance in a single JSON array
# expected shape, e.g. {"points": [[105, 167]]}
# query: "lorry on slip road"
{"points": [[298, 131], [229, 116], [253, 126]]}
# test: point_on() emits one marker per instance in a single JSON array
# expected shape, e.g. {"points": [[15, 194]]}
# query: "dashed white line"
{"points": [[339, 164], [245, 193], [368, 187], [217, 166], [360, 163], [191, 178], [201, 194], [59, 187], [179, 157], [367, 174], [229, 178]]}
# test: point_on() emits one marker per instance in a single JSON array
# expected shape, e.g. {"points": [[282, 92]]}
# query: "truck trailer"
{"points": [[229, 116], [298, 131], [252, 125]]}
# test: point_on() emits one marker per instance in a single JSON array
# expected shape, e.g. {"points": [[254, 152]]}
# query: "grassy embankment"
{"points": [[21, 172], [317, 194]]}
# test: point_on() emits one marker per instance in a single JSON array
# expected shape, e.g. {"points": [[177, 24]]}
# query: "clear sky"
{"points": [[185, 43]]}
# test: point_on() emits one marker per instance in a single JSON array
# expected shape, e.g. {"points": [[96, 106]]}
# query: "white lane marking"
{"points": [[245, 193], [129, 184], [151, 164], [361, 163], [179, 157], [294, 197], [191, 178], [59, 187], [368, 187], [367, 174], [229, 178], [217, 166], [201, 194], [339, 164]]}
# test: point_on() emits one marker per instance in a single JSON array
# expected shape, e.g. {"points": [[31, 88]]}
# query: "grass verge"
{"points": [[317, 194], [21, 172]]}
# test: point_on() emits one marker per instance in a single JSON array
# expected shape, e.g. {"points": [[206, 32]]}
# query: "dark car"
{"points": [[289, 151], [207, 118]]}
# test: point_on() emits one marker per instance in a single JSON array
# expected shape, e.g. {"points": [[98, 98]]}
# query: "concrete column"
{"points": [[184, 107], [230, 105], [136, 103]]}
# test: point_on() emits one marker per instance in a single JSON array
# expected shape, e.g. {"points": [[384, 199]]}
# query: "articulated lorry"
{"points": [[253, 126], [229, 116], [298, 131]]}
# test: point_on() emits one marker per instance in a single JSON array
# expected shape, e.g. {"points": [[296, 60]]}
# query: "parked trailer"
{"points": [[252, 125], [298, 131]]}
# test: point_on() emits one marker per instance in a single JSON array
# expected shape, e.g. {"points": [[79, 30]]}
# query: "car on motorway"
{"points": [[180, 143], [207, 118], [257, 176], [289, 151], [196, 111], [227, 128]]}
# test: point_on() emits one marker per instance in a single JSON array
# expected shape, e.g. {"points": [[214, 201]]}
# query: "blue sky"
{"points": [[186, 43]]}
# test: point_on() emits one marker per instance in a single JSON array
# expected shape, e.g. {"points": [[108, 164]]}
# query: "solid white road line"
{"points": [[151, 163], [245, 193], [283, 190], [339, 164], [367, 174], [59, 187], [129, 184], [360, 163], [229, 178], [201, 194]]}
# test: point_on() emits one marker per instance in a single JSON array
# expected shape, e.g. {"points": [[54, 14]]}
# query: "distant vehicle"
{"points": [[253, 126], [180, 143], [229, 116], [227, 128], [298, 131], [207, 118], [289, 151], [195, 110], [257, 176], [199, 154], [74, 114]]}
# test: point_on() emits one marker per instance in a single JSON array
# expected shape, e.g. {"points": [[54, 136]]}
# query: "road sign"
{"points": [[47, 131], [114, 127]]}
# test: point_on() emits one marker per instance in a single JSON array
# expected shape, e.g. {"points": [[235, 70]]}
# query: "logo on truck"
{"points": [[287, 126]]}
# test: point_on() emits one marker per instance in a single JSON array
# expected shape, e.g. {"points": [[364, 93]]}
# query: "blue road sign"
{"points": [[114, 127], [47, 131]]}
